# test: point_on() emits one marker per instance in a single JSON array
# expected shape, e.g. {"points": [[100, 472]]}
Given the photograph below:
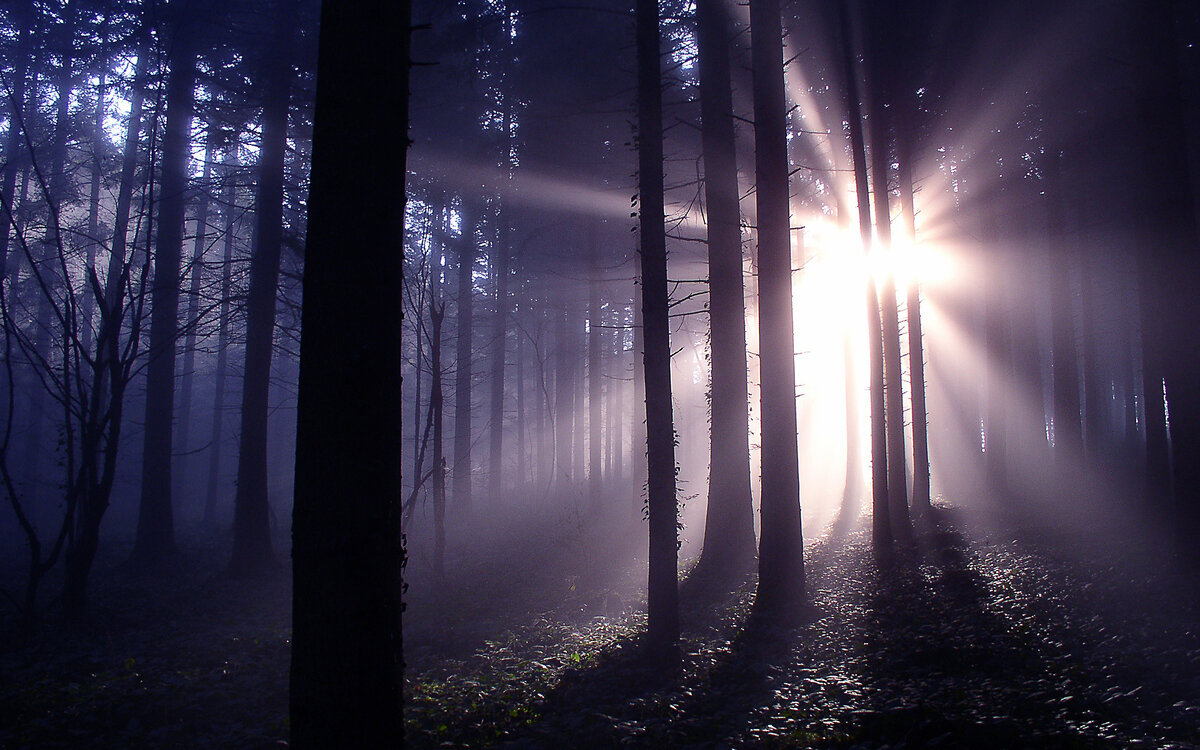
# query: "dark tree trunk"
{"points": [[562, 399], [461, 486], [347, 665], [781, 545], [729, 521], [1068, 422], [23, 19], [897, 480], [499, 352], [252, 552], [213, 484], [916, 345], [663, 599], [595, 372], [881, 525], [156, 524], [437, 404]]}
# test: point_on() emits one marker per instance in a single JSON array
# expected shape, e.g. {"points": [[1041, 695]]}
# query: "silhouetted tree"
{"points": [[781, 545], [347, 655], [729, 523], [663, 600]]}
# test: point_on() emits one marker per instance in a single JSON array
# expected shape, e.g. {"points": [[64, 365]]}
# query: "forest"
{"points": [[599, 373]]}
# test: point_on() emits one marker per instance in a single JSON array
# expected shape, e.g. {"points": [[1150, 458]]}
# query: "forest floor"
{"points": [[973, 639]]}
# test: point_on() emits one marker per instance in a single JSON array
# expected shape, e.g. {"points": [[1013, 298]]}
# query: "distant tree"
{"points": [[729, 522], [663, 600], [347, 656], [781, 545], [464, 357]]}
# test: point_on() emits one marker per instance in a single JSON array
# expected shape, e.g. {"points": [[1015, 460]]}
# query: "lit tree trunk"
{"points": [[881, 525], [663, 598], [781, 545], [88, 306], [461, 486], [347, 669], [729, 521], [213, 485], [252, 552], [156, 524]]}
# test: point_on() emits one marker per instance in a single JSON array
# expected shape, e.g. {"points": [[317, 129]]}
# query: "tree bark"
{"points": [[663, 597], [347, 663], [781, 544], [881, 525], [156, 523], [463, 364], [729, 520], [252, 553]]}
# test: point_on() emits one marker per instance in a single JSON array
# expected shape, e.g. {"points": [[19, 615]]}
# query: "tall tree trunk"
{"points": [[437, 403], [252, 552], [663, 598], [213, 483], [499, 350], [156, 523], [187, 378], [881, 525], [347, 669], [23, 19], [781, 545], [1068, 422], [562, 399], [729, 520], [461, 486], [916, 345], [897, 481], [595, 372]]}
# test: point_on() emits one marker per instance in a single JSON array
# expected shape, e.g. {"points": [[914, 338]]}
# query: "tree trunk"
{"points": [[781, 545], [499, 350], [187, 378], [347, 664], [252, 552], [595, 372], [461, 486], [897, 481], [729, 520], [156, 524], [663, 598], [916, 346], [213, 485], [23, 20], [881, 525]]}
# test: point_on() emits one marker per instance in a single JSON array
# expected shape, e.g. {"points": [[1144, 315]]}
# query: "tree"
{"points": [[881, 526], [251, 522], [881, 94], [729, 522], [347, 657], [663, 599], [781, 545], [156, 525]]}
